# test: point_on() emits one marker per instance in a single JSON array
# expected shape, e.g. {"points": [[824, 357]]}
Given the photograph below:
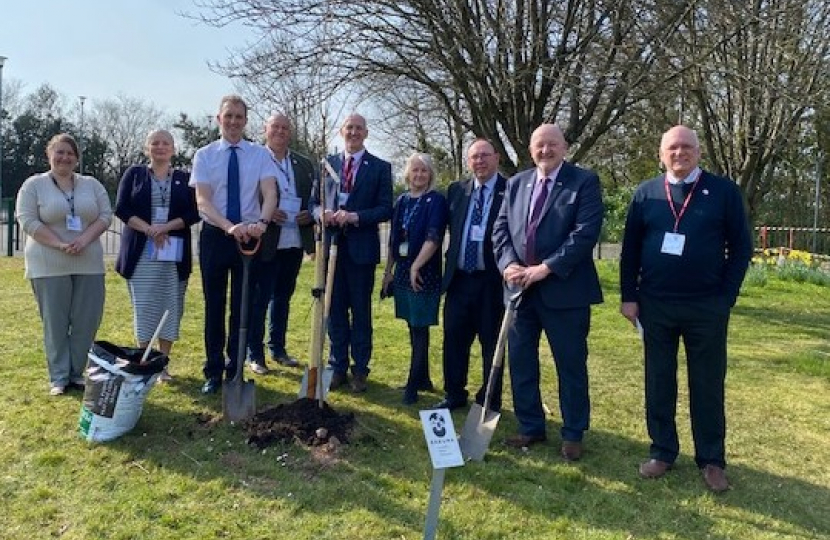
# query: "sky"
{"points": [[100, 48]]}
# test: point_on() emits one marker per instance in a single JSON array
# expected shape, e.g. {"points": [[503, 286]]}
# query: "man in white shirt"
{"points": [[231, 176]]}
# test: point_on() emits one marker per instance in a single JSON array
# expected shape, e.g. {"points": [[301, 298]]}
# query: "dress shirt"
{"points": [[489, 186], [210, 167]]}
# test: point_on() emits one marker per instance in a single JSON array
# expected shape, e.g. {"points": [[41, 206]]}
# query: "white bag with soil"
{"points": [[117, 383]]}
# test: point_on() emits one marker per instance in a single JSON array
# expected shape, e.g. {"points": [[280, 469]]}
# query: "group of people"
{"points": [[686, 249]]}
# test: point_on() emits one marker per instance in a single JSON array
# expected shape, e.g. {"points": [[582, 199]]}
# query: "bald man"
{"points": [[544, 238], [356, 204], [686, 248], [280, 262]]}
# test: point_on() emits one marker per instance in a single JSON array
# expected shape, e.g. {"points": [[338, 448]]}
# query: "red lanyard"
{"points": [[679, 216]]}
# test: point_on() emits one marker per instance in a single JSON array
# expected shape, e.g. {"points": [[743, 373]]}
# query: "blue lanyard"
{"points": [[409, 210]]}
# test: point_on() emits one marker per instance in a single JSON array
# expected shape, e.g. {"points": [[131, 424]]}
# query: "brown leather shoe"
{"points": [[359, 384], [715, 478], [338, 380], [654, 468], [524, 441], [571, 450]]}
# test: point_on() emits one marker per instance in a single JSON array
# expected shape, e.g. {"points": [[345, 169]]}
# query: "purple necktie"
{"points": [[535, 217]]}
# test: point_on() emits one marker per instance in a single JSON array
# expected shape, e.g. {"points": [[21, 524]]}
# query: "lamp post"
{"points": [[81, 142], [2, 61]]}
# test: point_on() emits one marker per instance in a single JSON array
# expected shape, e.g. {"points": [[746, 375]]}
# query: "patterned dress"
{"points": [[414, 221]]}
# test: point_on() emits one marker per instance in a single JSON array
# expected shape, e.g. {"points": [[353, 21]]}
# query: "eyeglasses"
{"points": [[483, 155]]}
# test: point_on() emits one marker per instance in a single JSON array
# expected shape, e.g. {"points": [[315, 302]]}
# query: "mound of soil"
{"points": [[302, 420]]}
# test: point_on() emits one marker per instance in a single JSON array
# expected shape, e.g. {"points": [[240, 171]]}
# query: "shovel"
{"points": [[316, 379], [239, 395], [481, 421]]}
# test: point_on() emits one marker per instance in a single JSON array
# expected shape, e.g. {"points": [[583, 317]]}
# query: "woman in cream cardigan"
{"points": [[64, 215]]}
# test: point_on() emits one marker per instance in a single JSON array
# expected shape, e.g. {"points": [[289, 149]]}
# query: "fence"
{"points": [[814, 240]]}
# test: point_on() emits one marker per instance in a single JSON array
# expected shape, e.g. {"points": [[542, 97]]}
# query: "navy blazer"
{"points": [[133, 199], [459, 195], [565, 238], [371, 199]]}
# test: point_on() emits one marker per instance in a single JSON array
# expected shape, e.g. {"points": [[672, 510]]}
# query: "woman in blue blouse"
{"points": [[158, 207], [413, 265]]}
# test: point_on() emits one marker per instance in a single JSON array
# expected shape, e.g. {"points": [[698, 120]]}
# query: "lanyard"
{"points": [[286, 171], [70, 197], [163, 185], [679, 216], [409, 210]]}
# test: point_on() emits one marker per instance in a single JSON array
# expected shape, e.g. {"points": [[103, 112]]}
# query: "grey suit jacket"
{"points": [[565, 238]]}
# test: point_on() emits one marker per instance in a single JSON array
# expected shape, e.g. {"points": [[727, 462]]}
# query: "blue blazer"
{"points": [[458, 198], [133, 199], [565, 238], [371, 199]]}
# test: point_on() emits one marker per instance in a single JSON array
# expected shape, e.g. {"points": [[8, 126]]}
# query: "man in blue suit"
{"points": [[544, 238], [356, 203]]}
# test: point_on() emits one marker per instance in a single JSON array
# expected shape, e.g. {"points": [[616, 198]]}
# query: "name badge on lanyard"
{"points": [[73, 223], [160, 215], [674, 242], [477, 233]]}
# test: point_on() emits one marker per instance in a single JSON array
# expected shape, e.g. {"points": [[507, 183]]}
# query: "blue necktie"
{"points": [[234, 207], [470, 246], [535, 218]]}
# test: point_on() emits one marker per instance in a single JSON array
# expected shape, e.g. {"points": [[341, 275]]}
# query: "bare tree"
{"points": [[767, 71], [124, 123], [497, 68]]}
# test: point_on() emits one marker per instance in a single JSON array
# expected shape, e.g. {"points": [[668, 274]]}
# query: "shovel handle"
{"points": [[155, 336], [501, 345]]}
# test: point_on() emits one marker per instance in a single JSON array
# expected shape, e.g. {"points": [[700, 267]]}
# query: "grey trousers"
{"points": [[71, 308]]}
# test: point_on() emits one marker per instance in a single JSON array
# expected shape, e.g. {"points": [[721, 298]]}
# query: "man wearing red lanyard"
{"points": [[686, 248]]}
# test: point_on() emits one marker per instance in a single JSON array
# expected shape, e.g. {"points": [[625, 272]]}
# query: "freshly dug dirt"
{"points": [[303, 421]]}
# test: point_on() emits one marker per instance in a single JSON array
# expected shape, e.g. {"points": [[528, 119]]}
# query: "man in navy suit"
{"points": [[544, 238], [473, 305], [356, 203]]}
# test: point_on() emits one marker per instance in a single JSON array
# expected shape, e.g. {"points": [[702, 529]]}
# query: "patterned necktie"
{"points": [[234, 207], [535, 217], [348, 173], [470, 246]]}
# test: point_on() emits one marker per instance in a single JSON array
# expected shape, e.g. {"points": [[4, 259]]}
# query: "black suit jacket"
{"points": [[565, 238], [133, 199], [459, 195], [371, 199]]}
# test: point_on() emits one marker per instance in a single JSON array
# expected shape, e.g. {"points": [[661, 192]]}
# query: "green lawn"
{"points": [[182, 474]]}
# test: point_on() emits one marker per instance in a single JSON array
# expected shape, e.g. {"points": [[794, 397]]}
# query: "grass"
{"points": [[183, 474]]}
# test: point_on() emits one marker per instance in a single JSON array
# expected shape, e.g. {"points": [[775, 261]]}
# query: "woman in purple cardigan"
{"points": [[155, 257]]}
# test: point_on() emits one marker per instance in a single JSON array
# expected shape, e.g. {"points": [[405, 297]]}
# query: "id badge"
{"points": [[673, 244], [477, 233], [403, 249], [160, 215], [73, 223], [342, 199]]}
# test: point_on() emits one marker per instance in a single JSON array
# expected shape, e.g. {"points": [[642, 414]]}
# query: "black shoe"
{"points": [[285, 360], [451, 405], [410, 397], [422, 387], [338, 380], [211, 386]]}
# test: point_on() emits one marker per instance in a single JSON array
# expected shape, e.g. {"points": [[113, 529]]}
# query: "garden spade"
{"points": [[239, 395], [316, 379], [481, 421]]}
